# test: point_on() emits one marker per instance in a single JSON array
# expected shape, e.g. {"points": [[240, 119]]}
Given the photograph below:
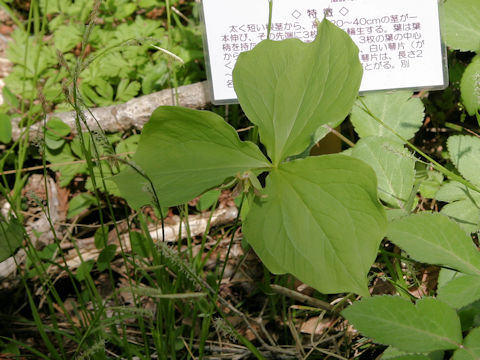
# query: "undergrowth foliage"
{"points": [[121, 61], [321, 219]]}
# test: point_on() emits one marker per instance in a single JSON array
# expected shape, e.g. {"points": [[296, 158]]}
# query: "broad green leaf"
{"points": [[127, 90], [103, 179], [394, 354], [10, 97], [431, 182], [435, 239], [207, 200], [113, 64], [105, 90], [106, 256], [66, 37], [406, 356], [80, 9], [436, 355], [48, 252], [185, 152], [84, 270], [11, 236], [149, 3], [89, 96], [470, 315], [68, 172], [139, 244], [100, 237], [56, 127], [460, 26], [129, 145], [69, 164], [77, 149], [321, 133], [393, 214], [427, 326], [290, 88], [156, 75], [79, 203], [463, 207], [447, 275], [55, 132], [125, 10], [470, 87], [465, 213], [393, 165], [455, 191], [5, 128], [39, 59], [54, 6], [53, 143], [320, 220], [471, 347], [461, 291], [464, 152], [398, 110]]}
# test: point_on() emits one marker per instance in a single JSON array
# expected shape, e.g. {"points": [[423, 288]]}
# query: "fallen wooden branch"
{"points": [[8, 267], [134, 113], [197, 226]]}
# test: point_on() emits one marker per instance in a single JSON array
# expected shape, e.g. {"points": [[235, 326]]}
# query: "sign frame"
{"points": [[440, 49]]}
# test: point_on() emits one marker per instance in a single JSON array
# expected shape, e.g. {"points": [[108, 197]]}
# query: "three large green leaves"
{"points": [[319, 218]]}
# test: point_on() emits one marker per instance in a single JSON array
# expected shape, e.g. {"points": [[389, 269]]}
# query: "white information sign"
{"points": [[399, 40]]}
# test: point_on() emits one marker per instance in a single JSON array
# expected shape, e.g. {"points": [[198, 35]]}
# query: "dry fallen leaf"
{"points": [[315, 325]]}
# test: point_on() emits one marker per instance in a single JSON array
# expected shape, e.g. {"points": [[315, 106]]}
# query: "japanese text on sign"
{"points": [[399, 41]]}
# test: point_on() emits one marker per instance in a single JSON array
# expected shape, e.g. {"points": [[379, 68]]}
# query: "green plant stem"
{"points": [[340, 136], [234, 230], [301, 297], [78, 104], [270, 11], [185, 214], [12, 15], [207, 230], [40, 326], [35, 352], [171, 64], [24, 142]]}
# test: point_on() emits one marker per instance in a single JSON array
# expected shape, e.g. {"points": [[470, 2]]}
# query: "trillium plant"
{"points": [[320, 218], [317, 218]]}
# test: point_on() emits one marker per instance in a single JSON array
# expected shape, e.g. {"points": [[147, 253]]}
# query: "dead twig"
{"points": [[301, 297], [134, 113]]}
